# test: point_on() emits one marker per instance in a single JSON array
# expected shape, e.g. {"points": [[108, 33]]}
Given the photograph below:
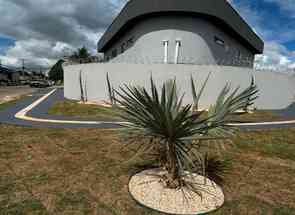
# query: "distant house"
{"points": [[3, 78], [25, 77], [14, 77], [9, 76], [180, 32]]}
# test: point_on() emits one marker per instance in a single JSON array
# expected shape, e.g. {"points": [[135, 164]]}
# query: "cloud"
{"points": [[276, 56], [36, 52], [45, 29], [286, 6]]}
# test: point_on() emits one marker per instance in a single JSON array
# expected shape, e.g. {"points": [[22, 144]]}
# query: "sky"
{"points": [[45, 30]]}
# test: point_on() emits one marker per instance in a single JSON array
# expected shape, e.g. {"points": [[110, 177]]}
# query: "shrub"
{"points": [[161, 118]]}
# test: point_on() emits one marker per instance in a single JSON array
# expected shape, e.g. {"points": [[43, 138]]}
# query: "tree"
{"points": [[57, 73], [161, 118], [81, 53]]}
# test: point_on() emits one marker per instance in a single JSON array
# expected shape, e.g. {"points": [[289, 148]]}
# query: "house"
{"points": [[179, 39], [25, 77], [3, 77], [14, 77], [9, 76], [195, 32]]}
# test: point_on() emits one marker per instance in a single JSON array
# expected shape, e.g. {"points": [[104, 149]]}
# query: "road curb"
{"points": [[22, 114]]}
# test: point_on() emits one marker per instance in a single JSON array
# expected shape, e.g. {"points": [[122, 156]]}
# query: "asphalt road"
{"points": [[7, 116]]}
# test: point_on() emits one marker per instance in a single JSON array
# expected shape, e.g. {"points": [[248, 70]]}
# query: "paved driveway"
{"points": [[40, 111], [7, 116]]}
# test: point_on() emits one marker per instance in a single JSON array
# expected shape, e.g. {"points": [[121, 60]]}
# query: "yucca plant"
{"points": [[111, 91], [82, 89], [197, 94], [250, 103], [215, 168], [161, 117]]}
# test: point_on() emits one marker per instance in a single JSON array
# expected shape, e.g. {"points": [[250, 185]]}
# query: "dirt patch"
{"points": [[11, 93], [83, 171]]}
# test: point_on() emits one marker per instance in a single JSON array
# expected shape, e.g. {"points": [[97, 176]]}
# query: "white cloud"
{"points": [[275, 57], [292, 66], [36, 52], [287, 6], [45, 29]]}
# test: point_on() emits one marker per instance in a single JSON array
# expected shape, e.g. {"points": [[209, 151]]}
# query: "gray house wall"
{"points": [[217, 10], [198, 46], [276, 89]]}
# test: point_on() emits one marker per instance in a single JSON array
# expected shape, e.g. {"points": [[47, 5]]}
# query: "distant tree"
{"points": [[56, 73], [81, 53]]}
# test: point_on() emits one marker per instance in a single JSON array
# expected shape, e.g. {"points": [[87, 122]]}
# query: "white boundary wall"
{"points": [[277, 90]]}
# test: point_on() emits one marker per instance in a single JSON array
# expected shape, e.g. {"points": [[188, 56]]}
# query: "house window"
{"points": [[239, 55], [177, 46], [165, 43], [219, 41], [123, 47], [130, 42], [114, 53]]}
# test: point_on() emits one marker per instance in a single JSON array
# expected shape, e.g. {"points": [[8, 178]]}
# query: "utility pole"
{"points": [[23, 66], [41, 75]]}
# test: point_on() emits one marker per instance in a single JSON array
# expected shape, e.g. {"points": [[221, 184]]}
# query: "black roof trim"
{"points": [[219, 9], [6, 70]]}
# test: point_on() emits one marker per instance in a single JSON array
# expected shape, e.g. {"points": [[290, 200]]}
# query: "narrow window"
{"points": [[123, 47], [165, 43], [178, 44], [239, 55], [114, 53], [219, 41], [130, 42]]}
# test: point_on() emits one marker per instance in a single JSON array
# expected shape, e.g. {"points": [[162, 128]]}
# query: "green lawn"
{"points": [[5, 105], [256, 116], [84, 111], [85, 171], [95, 112]]}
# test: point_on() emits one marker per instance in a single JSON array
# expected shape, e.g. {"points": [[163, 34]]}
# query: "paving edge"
{"points": [[22, 114]]}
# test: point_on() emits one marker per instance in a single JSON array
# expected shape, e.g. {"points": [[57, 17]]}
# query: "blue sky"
{"points": [[45, 30], [5, 43], [274, 22]]}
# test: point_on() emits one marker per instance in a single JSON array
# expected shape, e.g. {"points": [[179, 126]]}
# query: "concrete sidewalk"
{"points": [[40, 112]]}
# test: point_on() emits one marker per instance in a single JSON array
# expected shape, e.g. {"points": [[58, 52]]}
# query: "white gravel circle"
{"points": [[149, 190]]}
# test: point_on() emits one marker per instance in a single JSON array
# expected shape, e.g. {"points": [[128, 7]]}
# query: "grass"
{"points": [[6, 105], [256, 116], [84, 111], [85, 171], [95, 112], [280, 144]]}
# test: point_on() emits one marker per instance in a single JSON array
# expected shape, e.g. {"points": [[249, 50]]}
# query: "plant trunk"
{"points": [[173, 177]]}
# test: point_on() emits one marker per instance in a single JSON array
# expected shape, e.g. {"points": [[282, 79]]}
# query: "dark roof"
{"points": [[6, 70], [218, 10]]}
